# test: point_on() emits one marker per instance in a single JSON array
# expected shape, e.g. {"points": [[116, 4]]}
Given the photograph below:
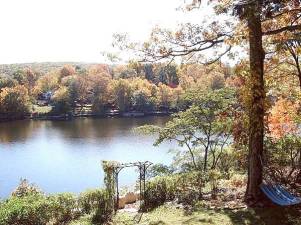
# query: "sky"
{"points": [[78, 30]]}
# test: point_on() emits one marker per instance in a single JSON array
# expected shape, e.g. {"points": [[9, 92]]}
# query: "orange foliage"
{"points": [[67, 70], [282, 118]]}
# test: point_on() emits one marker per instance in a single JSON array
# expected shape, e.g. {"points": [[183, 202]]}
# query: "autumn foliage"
{"points": [[282, 118]]}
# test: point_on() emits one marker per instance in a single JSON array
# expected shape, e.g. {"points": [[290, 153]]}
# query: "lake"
{"points": [[65, 156]]}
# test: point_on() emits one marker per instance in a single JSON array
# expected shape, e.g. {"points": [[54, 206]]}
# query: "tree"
{"points": [[121, 93], [7, 81], [100, 69], [61, 101], [288, 52], [203, 131], [30, 79], [172, 74], [14, 101], [164, 96], [19, 75], [294, 48], [149, 73], [48, 82], [67, 70], [142, 102], [260, 22], [78, 89], [99, 86], [282, 119], [144, 94], [124, 72]]}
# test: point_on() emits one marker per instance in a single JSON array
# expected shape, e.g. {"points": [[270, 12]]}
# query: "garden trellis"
{"points": [[112, 170]]}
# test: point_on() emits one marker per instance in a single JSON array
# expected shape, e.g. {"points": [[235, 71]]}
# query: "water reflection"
{"points": [[65, 155]]}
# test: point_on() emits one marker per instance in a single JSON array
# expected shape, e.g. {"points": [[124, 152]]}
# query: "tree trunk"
{"points": [[299, 71], [205, 159], [296, 60], [256, 114]]}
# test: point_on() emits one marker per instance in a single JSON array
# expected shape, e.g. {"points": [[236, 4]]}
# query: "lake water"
{"points": [[65, 156]]}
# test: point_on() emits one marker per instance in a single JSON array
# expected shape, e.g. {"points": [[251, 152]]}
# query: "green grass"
{"points": [[41, 109], [170, 215], [85, 220]]}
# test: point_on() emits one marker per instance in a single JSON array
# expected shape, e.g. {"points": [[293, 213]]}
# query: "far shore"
{"points": [[71, 116]]}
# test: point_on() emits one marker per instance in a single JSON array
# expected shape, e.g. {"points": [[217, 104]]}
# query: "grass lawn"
{"points": [[41, 109], [170, 215]]}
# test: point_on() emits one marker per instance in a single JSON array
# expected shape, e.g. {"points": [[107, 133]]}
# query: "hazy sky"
{"points": [[77, 30]]}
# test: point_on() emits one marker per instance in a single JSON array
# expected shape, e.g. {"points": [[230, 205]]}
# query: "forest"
{"points": [[100, 88]]}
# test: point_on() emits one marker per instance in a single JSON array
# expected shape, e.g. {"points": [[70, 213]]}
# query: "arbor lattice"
{"points": [[112, 170]]}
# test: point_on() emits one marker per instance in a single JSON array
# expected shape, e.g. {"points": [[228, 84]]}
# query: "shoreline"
{"points": [[70, 116]]}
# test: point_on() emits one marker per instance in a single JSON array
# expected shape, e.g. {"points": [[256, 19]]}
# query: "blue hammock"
{"points": [[279, 195]]}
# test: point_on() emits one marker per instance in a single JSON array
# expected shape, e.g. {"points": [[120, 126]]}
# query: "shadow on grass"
{"points": [[158, 223], [265, 216]]}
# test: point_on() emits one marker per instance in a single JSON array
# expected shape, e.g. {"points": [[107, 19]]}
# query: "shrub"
{"points": [[90, 200], [97, 203], [29, 206], [27, 210], [238, 181], [25, 188], [282, 160], [104, 210], [214, 176], [63, 207], [185, 188]]}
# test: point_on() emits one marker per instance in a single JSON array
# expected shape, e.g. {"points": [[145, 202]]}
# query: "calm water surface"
{"points": [[65, 156]]}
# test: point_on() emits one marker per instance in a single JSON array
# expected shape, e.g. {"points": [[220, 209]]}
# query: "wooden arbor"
{"points": [[115, 169]]}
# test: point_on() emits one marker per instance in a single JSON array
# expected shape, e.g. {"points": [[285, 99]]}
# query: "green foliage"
{"points": [[61, 101], [213, 177], [90, 200], [122, 92], [7, 81], [203, 130], [109, 168], [185, 188], [27, 210], [174, 215], [63, 207], [28, 206], [229, 162], [142, 102], [282, 159], [20, 76], [149, 73], [38, 209], [159, 170], [48, 82]]}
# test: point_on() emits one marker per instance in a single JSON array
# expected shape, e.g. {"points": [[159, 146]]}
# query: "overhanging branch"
{"points": [[283, 29]]}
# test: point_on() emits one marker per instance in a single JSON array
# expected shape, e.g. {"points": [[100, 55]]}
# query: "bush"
{"points": [[25, 188], [28, 206], [27, 210], [90, 200], [63, 207], [282, 160], [238, 181], [185, 188], [214, 176], [96, 202]]}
